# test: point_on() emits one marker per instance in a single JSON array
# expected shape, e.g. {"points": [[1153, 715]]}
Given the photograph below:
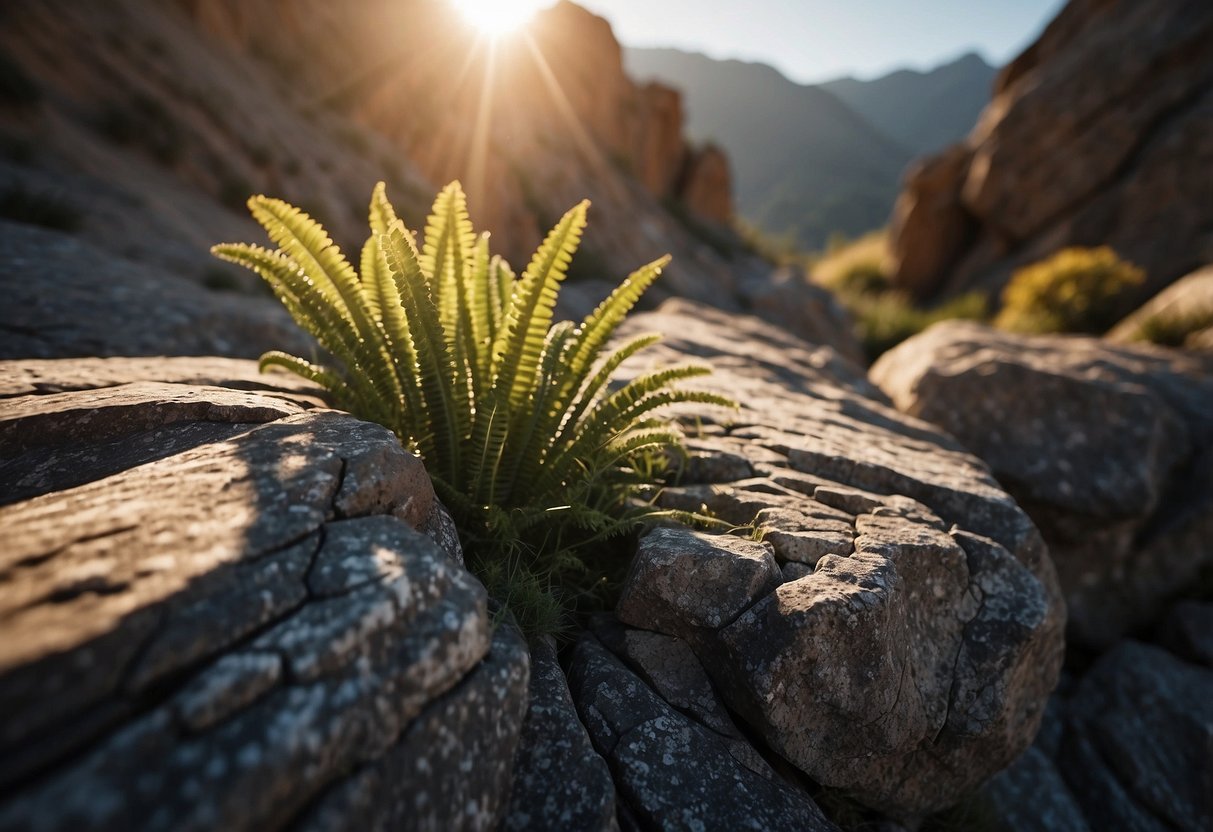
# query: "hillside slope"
{"points": [[921, 111], [152, 124]]}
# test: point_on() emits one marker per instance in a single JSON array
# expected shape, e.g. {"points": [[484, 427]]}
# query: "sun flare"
{"points": [[499, 17]]}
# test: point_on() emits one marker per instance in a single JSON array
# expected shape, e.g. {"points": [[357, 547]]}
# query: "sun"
{"points": [[499, 17]]}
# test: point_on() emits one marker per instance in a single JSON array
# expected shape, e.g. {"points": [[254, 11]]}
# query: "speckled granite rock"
{"points": [[1108, 447], [905, 650], [671, 772], [560, 782], [224, 613]]}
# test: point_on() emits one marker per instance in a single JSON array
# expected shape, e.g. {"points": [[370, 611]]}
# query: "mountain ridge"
{"points": [[818, 166]]}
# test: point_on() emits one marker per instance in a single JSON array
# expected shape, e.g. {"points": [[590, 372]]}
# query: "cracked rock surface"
{"points": [[1108, 447], [904, 650], [221, 610]]}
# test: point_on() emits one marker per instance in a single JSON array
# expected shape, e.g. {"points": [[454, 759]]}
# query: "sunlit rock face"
{"points": [[1098, 134], [898, 629], [1107, 446], [222, 610]]}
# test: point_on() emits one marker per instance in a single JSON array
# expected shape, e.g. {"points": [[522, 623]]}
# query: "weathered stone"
{"points": [[65, 375], [708, 462], [55, 441], [230, 684], [216, 636], [912, 669], [1138, 741], [96, 296], [452, 768], [560, 782], [803, 538], [1031, 796], [440, 527], [683, 581], [671, 772], [669, 666], [1109, 448]]}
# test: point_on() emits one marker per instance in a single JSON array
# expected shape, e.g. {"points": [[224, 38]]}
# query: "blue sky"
{"points": [[816, 40]]}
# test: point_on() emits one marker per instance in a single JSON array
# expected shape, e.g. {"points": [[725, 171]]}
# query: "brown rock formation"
{"points": [[155, 123], [530, 125], [1098, 134], [706, 185]]}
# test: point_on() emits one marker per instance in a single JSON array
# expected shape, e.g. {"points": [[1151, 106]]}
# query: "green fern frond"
{"points": [[312, 372], [537, 459], [530, 310], [435, 368]]}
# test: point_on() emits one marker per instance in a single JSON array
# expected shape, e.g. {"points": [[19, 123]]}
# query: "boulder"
{"points": [[1091, 138], [910, 655], [220, 612], [1108, 447]]}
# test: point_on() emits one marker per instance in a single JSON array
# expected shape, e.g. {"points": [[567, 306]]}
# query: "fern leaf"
{"points": [[531, 305], [382, 214], [413, 425], [533, 426], [311, 309], [601, 324], [449, 241], [480, 299], [314, 373], [307, 243], [436, 369]]}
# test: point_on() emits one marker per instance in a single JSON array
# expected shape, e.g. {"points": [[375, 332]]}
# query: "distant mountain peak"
{"points": [[811, 160]]}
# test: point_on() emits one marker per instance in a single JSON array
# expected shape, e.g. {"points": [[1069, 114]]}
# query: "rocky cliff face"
{"points": [[153, 124], [1099, 133]]}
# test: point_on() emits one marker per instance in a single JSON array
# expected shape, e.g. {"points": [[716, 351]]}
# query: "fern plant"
{"points": [[538, 456]]}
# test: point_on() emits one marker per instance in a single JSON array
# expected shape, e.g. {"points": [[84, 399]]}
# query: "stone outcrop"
{"points": [[707, 185], [219, 612], [1107, 447], [903, 650], [1095, 136], [232, 598]]}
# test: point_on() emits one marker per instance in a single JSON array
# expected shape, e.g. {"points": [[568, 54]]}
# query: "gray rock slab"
{"points": [[672, 773], [682, 581], [560, 781]]}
